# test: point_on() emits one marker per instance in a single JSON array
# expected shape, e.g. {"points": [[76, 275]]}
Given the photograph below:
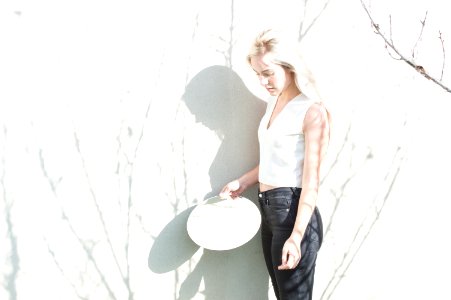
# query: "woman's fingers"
{"points": [[290, 262], [291, 255], [230, 190]]}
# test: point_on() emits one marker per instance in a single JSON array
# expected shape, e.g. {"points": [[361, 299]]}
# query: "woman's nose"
{"points": [[263, 80]]}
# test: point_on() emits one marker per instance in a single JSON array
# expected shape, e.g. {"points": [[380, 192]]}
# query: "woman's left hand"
{"points": [[291, 254]]}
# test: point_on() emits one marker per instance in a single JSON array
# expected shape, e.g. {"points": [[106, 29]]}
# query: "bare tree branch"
{"points": [[302, 32], [390, 44]]}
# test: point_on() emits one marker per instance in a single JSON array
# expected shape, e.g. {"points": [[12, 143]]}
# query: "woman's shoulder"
{"points": [[317, 113]]}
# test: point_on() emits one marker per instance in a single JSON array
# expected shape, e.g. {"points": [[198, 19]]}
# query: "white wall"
{"points": [[118, 117]]}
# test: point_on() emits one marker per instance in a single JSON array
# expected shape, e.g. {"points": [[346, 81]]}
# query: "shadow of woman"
{"points": [[218, 99]]}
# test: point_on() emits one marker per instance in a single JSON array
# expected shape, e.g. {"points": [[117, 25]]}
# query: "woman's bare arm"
{"points": [[316, 134]]}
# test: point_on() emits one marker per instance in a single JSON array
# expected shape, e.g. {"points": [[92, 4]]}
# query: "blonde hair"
{"points": [[286, 53]]}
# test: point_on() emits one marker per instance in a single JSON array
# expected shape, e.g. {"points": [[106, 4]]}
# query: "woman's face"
{"points": [[272, 76]]}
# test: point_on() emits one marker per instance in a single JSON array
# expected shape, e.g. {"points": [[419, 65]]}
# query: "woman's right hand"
{"points": [[236, 187], [232, 189]]}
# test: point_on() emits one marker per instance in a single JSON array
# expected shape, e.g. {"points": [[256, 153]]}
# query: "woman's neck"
{"points": [[289, 93]]}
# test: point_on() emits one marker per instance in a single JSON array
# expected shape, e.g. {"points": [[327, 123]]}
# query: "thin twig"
{"points": [[302, 34], [391, 39], [423, 24], [99, 210], [391, 31], [443, 50], [84, 245]]}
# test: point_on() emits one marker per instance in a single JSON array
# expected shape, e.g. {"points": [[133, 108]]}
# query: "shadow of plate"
{"points": [[173, 246]]}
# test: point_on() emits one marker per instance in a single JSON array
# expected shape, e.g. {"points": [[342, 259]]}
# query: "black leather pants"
{"points": [[279, 208]]}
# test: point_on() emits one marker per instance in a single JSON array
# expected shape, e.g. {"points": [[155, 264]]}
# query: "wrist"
{"points": [[297, 235], [242, 183]]}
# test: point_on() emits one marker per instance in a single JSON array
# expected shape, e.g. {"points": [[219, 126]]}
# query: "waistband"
{"points": [[279, 190]]}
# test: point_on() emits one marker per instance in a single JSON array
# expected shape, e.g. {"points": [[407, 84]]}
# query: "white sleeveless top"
{"points": [[282, 144]]}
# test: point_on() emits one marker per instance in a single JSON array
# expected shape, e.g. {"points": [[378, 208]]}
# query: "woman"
{"points": [[293, 136]]}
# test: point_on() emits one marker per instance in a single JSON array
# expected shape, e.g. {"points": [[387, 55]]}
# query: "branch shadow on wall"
{"points": [[218, 99]]}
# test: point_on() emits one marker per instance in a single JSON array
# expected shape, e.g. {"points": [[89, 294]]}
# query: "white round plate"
{"points": [[223, 224]]}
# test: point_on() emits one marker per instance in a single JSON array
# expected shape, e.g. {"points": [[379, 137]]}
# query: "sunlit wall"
{"points": [[118, 117]]}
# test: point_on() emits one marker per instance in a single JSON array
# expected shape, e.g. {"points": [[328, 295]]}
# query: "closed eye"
{"points": [[265, 74]]}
